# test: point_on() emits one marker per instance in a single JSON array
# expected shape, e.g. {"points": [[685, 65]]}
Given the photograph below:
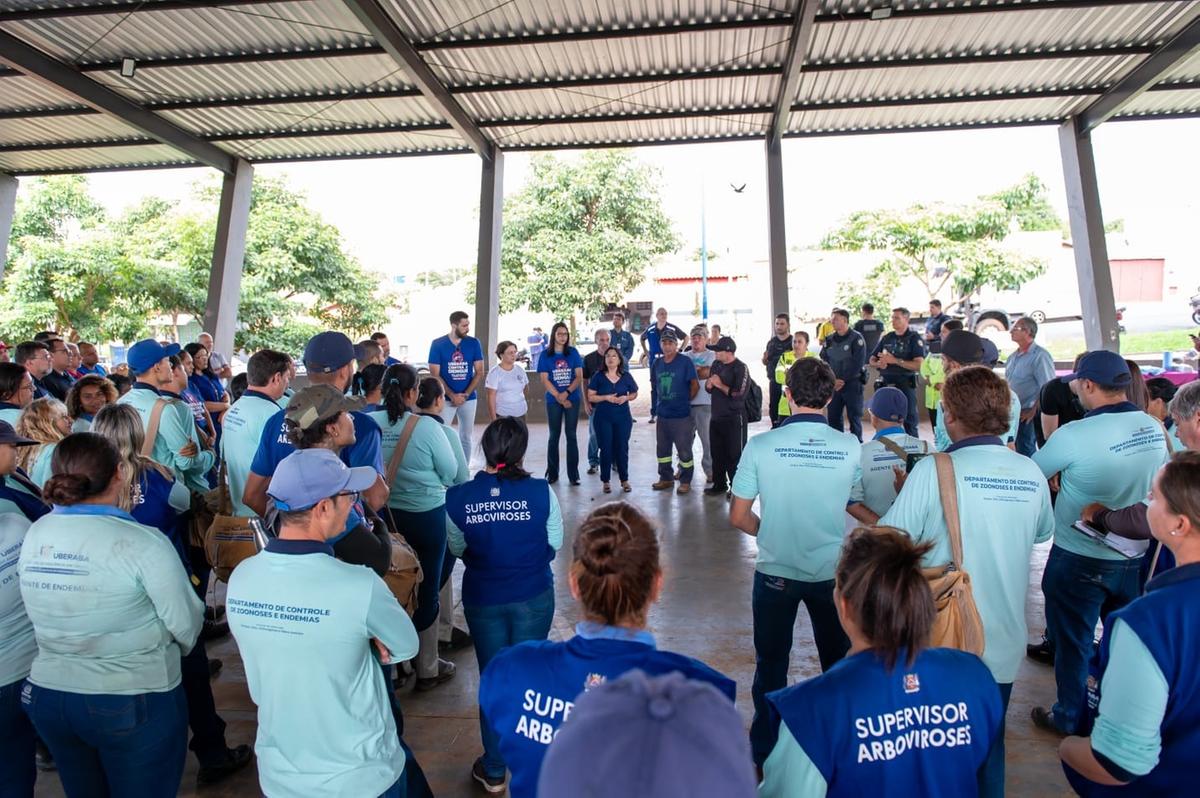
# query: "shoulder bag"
{"points": [[957, 624], [404, 574]]}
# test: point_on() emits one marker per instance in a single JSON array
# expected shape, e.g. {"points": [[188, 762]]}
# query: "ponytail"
{"points": [[504, 443], [397, 381], [83, 466], [879, 577], [616, 564], [428, 392]]}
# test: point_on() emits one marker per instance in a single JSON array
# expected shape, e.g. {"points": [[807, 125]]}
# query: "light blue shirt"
{"points": [[1133, 703], [429, 466], [17, 644], [1108, 457], [1003, 509], [176, 428], [878, 482], [1027, 372], [82, 424], [39, 472], [325, 725], [241, 431], [789, 772], [11, 414], [805, 474], [111, 605], [941, 437]]}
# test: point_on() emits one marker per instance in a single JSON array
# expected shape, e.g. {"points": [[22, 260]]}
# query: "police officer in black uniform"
{"points": [[846, 353], [898, 358], [780, 343]]}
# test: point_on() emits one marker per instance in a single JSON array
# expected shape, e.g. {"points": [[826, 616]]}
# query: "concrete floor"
{"points": [[704, 612]]}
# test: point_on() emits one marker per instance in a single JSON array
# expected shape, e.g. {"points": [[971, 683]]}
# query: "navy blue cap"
{"points": [[328, 351], [306, 476], [963, 347], [991, 355], [9, 435], [143, 355], [665, 736], [889, 404], [1103, 368]]}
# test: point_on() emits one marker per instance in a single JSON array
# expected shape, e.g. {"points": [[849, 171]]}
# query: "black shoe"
{"points": [[446, 671], [236, 759], [593, 469], [214, 667], [214, 630], [43, 758], [574, 483], [214, 613], [551, 480], [1042, 652], [651, 419], [489, 783], [714, 491], [1044, 720], [458, 640]]}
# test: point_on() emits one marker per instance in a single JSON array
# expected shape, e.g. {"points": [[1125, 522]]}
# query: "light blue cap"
{"points": [[307, 476]]}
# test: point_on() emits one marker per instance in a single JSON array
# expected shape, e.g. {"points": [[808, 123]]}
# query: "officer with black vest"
{"points": [[846, 353], [898, 358]]}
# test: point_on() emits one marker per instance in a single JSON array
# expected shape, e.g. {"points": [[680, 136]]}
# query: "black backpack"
{"points": [[754, 401]]}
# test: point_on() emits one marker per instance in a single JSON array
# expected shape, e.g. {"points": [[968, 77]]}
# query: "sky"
{"points": [[405, 215]]}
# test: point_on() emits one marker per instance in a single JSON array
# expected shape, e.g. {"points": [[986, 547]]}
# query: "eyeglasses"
{"points": [[353, 494]]}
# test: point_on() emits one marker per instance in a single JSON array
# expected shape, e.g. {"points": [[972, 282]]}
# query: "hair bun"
{"points": [[66, 489]]}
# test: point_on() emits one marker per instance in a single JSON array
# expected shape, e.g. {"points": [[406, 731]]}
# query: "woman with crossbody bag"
{"points": [[420, 466]]}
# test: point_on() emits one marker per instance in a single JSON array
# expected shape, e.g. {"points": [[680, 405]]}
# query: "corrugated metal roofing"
{"points": [[302, 79]]}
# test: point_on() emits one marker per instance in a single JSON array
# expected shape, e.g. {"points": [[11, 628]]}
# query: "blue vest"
{"points": [[1166, 621], [921, 730], [503, 522], [528, 690], [155, 511], [33, 507]]}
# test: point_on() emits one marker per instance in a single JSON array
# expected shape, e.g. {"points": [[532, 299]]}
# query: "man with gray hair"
{"points": [[594, 364], [1027, 370], [702, 359], [216, 361]]}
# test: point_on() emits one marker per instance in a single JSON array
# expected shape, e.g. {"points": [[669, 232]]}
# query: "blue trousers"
{"points": [[1080, 591], [208, 730], [849, 400], [497, 627], [991, 774], [556, 414], [612, 435], [426, 533], [1026, 438], [775, 603], [909, 389], [114, 745], [17, 772], [400, 788], [593, 443]]}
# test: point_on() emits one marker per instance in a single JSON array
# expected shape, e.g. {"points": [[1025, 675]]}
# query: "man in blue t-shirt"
{"points": [[673, 377], [652, 349], [456, 359], [385, 346], [329, 358]]}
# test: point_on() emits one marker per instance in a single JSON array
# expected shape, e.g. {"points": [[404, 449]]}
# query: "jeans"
{"points": [[400, 788], [556, 414], [612, 435], [208, 730], [1026, 438], [1079, 591], [775, 602], [426, 533], [677, 433], [17, 772], [465, 413], [497, 627], [701, 419], [850, 401], [991, 774], [909, 389], [593, 443], [112, 744]]}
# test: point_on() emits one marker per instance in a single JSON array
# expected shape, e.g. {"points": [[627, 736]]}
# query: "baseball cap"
{"points": [[666, 736], [724, 344], [699, 329], [963, 347], [668, 335], [308, 405], [9, 435], [1103, 368], [889, 404], [143, 355], [328, 351], [306, 476], [991, 355]]}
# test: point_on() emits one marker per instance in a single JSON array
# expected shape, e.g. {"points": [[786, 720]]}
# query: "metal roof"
{"points": [[277, 80]]}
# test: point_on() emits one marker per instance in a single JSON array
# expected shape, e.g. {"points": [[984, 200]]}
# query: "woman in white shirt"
{"points": [[506, 384]]}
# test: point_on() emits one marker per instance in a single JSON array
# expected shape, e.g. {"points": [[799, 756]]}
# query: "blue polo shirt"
{"points": [[805, 473], [623, 341], [603, 386], [672, 381], [528, 690], [456, 361], [560, 369], [273, 445], [860, 729], [1109, 456], [652, 336]]}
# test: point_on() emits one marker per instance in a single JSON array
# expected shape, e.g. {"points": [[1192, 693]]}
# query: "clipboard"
{"points": [[1128, 548]]}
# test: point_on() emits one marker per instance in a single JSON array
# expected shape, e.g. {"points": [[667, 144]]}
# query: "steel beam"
{"points": [[487, 278], [797, 54], [126, 7], [229, 252], [1087, 238], [380, 25], [8, 209], [776, 228], [36, 64], [1175, 51]]}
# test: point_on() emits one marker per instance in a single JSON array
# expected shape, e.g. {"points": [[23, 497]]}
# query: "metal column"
{"points": [[1087, 237], [776, 228], [8, 208], [225, 284], [487, 286]]}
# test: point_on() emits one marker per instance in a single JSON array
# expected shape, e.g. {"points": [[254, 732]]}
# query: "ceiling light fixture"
{"points": [[128, 66], [882, 12]]}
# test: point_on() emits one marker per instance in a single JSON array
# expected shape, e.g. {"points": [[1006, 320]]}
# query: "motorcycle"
{"points": [[1196, 309], [1120, 318]]}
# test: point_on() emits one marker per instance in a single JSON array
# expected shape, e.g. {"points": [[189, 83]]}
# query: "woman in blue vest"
{"points": [[1146, 736], [529, 689], [104, 691], [506, 526], [18, 493], [610, 392], [894, 717]]}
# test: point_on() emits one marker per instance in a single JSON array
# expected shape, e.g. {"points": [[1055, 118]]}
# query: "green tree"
{"points": [[1028, 204], [942, 246], [580, 235]]}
